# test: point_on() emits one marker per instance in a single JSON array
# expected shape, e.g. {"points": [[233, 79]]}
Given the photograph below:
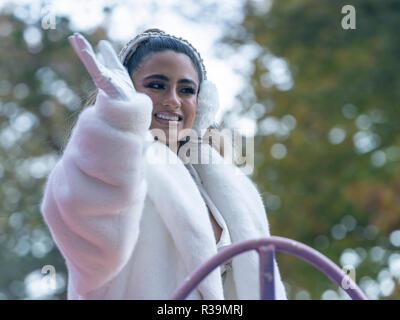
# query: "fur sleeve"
{"points": [[94, 196]]}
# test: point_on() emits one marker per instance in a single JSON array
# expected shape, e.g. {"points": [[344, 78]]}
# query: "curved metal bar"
{"points": [[290, 246]]}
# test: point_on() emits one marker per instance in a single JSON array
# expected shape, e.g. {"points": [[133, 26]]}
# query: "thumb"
{"points": [[109, 55]]}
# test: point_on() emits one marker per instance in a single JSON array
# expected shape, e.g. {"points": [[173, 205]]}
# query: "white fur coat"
{"points": [[131, 225]]}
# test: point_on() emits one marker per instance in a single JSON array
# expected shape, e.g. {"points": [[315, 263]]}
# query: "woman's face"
{"points": [[171, 81]]}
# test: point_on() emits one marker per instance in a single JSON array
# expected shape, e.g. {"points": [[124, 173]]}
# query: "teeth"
{"points": [[165, 117]]}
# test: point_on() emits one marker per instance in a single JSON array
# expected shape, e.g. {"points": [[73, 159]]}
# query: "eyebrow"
{"points": [[165, 78]]}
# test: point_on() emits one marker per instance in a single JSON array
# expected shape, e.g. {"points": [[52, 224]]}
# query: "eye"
{"points": [[188, 90], [155, 85]]}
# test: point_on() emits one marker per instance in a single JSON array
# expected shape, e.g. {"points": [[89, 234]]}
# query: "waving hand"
{"points": [[109, 75]]}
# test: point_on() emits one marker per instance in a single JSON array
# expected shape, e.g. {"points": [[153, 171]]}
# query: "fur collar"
{"points": [[178, 200]]}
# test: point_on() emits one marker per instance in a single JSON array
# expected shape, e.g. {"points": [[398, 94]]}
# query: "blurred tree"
{"points": [[328, 137], [42, 88], [325, 101]]}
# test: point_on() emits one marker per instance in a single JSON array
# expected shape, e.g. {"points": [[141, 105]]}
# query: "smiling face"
{"points": [[171, 81]]}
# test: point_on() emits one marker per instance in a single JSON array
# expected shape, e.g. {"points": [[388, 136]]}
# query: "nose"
{"points": [[171, 99]]}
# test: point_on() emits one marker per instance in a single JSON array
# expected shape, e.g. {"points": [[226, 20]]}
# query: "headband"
{"points": [[128, 50]]}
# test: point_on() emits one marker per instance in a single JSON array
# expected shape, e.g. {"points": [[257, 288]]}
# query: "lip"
{"points": [[167, 114]]}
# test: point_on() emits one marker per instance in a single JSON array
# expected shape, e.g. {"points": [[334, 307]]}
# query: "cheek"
{"points": [[190, 109]]}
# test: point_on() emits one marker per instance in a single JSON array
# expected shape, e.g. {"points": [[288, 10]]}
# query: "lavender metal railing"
{"points": [[266, 248]]}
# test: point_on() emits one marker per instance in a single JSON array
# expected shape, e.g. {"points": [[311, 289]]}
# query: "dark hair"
{"points": [[160, 44]]}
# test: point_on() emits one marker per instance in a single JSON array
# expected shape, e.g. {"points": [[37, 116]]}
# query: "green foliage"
{"points": [[346, 80], [329, 174], [42, 88]]}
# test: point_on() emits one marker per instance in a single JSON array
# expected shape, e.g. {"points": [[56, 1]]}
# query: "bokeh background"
{"points": [[321, 102]]}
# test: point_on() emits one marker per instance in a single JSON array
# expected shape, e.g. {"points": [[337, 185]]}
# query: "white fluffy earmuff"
{"points": [[207, 106]]}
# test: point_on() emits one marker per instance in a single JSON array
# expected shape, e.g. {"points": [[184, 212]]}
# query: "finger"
{"points": [[87, 56], [100, 59], [83, 43], [92, 66], [111, 59], [85, 46], [74, 45], [71, 40]]}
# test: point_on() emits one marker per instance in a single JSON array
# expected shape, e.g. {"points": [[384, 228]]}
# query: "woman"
{"points": [[130, 218]]}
